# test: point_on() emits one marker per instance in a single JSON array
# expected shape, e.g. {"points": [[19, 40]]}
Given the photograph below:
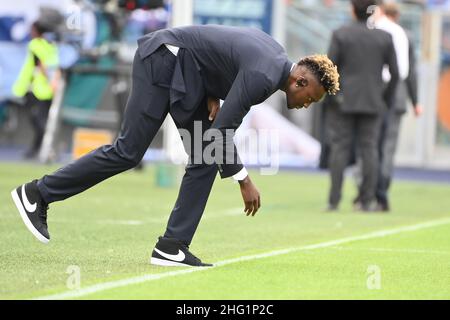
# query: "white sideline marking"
{"points": [[150, 277]]}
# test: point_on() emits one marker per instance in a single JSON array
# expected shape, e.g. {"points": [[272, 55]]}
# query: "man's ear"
{"points": [[301, 82]]}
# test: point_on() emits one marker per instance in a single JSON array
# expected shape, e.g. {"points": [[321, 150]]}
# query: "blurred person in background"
{"points": [[37, 82], [185, 71], [387, 19], [360, 54]]}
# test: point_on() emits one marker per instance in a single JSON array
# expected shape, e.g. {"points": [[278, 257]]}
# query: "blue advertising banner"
{"points": [[250, 13]]}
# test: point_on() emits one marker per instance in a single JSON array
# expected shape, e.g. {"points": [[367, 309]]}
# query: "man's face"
{"points": [[34, 33], [304, 91]]}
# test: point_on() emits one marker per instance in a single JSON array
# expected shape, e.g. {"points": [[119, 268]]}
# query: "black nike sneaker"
{"points": [[32, 209], [171, 252]]}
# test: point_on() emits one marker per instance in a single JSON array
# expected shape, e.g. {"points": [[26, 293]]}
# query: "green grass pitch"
{"points": [[109, 231]]}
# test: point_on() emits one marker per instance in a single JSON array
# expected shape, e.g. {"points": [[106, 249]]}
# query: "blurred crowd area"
{"points": [[96, 41]]}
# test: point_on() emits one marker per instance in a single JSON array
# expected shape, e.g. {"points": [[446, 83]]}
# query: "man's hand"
{"points": [[213, 107], [251, 197], [418, 110]]}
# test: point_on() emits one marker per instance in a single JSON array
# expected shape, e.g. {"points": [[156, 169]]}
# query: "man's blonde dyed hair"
{"points": [[325, 71]]}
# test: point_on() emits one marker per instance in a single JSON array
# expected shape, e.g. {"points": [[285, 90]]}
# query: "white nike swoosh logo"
{"points": [[175, 257], [28, 206]]}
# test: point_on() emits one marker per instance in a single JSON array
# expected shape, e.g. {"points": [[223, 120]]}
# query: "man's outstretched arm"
{"points": [[249, 192], [249, 88]]}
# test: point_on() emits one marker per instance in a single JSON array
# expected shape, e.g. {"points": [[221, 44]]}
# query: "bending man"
{"points": [[184, 71]]}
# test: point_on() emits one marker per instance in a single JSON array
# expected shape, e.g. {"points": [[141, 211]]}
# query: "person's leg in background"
{"points": [[39, 113], [358, 171], [367, 127], [341, 131], [388, 147]]}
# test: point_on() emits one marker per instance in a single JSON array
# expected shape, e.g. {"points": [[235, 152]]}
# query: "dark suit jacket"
{"points": [[411, 80], [407, 88], [242, 66], [360, 54]]}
